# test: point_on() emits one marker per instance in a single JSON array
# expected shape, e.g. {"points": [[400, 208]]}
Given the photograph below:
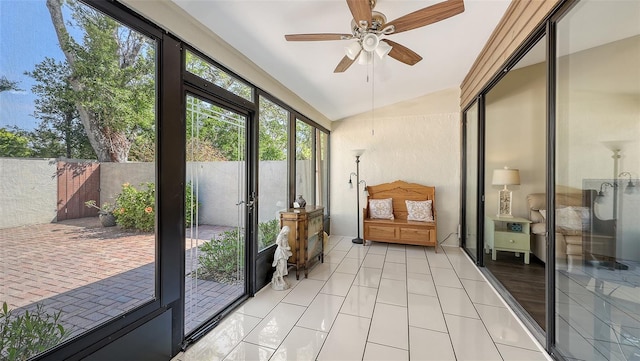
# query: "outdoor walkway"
{"points": [[92, 273]]}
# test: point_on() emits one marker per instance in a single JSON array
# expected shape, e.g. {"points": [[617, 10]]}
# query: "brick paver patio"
{"points": [[92, 273]]}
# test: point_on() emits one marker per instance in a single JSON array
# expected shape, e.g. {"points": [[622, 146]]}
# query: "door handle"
{"points": [[248, 204]]}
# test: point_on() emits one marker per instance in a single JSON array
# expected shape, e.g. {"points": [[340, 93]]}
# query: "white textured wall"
{"points": [[28, 191], [114, 175], [416, 141]]}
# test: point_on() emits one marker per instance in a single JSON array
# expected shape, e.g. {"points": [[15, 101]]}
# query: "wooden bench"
{"points": [[401, 230]]}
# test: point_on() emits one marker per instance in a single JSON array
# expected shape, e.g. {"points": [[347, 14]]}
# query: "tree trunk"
{"points": [[109, 146]]}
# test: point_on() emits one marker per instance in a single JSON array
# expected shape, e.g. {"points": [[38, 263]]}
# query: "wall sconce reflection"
{"points": [[601, 194], [630, 188]]}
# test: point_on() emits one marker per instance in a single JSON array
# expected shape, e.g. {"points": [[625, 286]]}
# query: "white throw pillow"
{"points": [[572, 218], [419, 211], [381, 208]]}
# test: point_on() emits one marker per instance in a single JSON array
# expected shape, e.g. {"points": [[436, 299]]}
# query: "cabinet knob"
{"points": [[510, 241]]}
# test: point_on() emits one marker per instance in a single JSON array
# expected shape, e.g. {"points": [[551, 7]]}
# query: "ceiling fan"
{"points": [[368, 28]]}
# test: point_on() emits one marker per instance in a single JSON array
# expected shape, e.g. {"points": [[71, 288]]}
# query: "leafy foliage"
{"points": [[60, 132], [273, 131], [135, 209], [13, 144], [304, 137], [267, 233], [111, 79], [24, 336], [6, 84], [222, 258]]}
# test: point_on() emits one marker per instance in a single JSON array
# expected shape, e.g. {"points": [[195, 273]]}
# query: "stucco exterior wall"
{"points": [[30, 186], [416, 141], [215, 183]]}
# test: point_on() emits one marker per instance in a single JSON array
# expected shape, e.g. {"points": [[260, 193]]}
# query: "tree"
{"points": [[60, 131], [13, 144], [112, 75], [6, 84], [273, 131]]}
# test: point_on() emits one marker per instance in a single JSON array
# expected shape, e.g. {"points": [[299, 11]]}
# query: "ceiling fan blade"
{"points": [[429, 15], [361, 11], [402, 53], [344, 64], [317, 37]]}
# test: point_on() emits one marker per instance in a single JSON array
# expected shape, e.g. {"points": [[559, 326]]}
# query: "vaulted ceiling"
{"points": [[256, 28]]}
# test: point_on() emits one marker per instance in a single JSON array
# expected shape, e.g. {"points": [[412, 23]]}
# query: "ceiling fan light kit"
{"points": [[365, 58], [383, 49], [367, 26], [370, 42], [353, 50]]}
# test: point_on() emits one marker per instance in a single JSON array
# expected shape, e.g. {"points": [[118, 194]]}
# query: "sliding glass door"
{"points": [[216, 207], [597, 165]]}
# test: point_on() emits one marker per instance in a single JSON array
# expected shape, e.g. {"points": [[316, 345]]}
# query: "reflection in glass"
{"points": [[598, 155], [214, 209]]}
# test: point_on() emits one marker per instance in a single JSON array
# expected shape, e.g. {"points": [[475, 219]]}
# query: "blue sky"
{"points": [[26, 38]]}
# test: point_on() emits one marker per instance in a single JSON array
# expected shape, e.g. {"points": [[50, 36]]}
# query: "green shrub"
{"points": [[267, 233], [222, 258], [27, 335], [135, 209]]}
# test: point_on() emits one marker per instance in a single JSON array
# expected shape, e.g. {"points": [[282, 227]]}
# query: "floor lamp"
{"points": [[357, 153]]}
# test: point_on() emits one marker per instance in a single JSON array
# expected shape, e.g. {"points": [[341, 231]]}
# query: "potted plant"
{"points": [[105, 213]]}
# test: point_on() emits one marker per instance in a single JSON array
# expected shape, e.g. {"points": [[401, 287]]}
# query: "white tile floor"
{"points": [[377, 302]]}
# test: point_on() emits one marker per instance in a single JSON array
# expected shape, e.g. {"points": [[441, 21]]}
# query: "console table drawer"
{"points": [[512, 240]]}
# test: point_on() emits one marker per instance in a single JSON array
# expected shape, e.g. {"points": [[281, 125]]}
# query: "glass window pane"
{"points": [[322, 170], [471, 186], [204, 69], [304, 161], [597, 171], [272, 167], [78, 139]]}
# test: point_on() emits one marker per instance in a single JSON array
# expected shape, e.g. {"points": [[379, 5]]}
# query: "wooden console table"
{"points": [[306, 236]]}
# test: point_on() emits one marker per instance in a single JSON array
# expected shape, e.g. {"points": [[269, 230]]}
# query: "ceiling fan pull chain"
{"points": [[373, 84]]}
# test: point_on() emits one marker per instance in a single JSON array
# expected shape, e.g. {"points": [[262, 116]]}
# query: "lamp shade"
{"points": [[383, 49], [365, 58], [506, 176], [353, 50]]}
